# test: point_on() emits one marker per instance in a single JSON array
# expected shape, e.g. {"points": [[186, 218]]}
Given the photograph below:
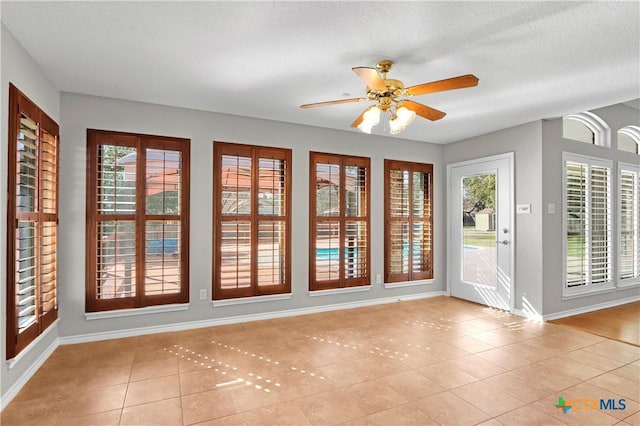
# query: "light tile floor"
{"points": [[431, 361]]}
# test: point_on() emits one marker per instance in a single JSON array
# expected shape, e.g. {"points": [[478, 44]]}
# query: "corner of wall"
{"points": [[19, 68]]}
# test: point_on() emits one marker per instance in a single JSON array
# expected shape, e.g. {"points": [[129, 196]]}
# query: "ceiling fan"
{"points": [[387, 93]]}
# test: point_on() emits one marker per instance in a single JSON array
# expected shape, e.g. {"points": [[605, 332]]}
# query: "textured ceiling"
{"points": [[263, 59]]}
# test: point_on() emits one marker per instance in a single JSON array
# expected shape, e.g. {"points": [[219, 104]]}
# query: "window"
{"points": [[408, 245], [137, 220], [252, 215], [586, 127], [587, 221], [32, 222], [339, 213], [629, 187], [629, 139]]}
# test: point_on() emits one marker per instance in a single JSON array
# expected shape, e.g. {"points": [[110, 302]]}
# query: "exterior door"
{"points": [[480, 240]]}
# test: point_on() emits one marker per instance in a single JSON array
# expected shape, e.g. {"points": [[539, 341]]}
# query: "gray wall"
{"points": [[616, 117], [525, 142], [80, 112], [21, 70]]}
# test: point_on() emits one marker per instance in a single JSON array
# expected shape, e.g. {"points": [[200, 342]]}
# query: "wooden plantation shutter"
{"points": [[408, 221], [339, 207], [252, 214], [32, 219], [587, 199], [137, 220], [629, 189]]}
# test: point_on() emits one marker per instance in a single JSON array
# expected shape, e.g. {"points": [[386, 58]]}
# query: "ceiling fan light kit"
{"points": [[386, 93]]}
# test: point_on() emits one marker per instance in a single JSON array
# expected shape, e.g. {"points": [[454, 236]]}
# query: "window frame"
{"points": [[342, 161], [141, 142], [20, 104], [255, 152], [633, 133], [634, 169], [588, 287], [600, 129], [411, 167]]}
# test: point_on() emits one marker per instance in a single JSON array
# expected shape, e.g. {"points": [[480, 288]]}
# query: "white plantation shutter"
{"points": [[600, 225], [587, 223], [629, 224]]}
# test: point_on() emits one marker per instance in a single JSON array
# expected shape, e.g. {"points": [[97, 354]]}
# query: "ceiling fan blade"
{"points": [[340, 101], [359, 120], [371, 77], [422, 110], [459, 82]]}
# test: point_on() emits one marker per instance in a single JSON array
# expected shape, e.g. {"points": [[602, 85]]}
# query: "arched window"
{"points": [[629, 139], [586, 127]]}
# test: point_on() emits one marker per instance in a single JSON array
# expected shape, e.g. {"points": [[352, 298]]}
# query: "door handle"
{"points": [[505, 242]]}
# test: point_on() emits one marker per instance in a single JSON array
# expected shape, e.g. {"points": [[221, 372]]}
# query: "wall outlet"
{"points": [[378, 278], [203, 294]]}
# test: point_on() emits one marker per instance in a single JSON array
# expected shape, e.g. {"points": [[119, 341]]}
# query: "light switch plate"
{"points": [[523, 209]]}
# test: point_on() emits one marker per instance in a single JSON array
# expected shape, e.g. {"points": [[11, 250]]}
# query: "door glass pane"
{"points": [[479, 218], [116, 179], [163, 181], [327, 189]]}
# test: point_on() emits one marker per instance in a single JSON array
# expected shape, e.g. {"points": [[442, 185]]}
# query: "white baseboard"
{"points": [[590, 308], [94, 337], [26, 376], [528, 315]]}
